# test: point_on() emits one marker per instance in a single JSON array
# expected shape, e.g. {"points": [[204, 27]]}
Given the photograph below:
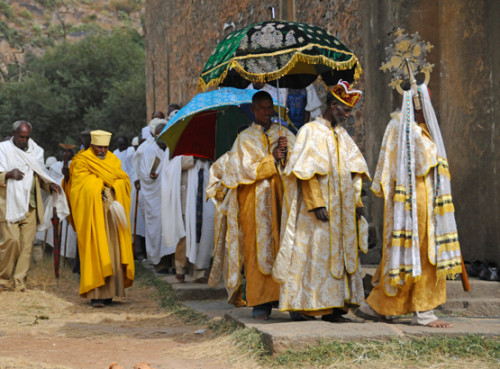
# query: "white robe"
{"points": [[68, 239], [125, 157], [199, 253], [19, 192], [151, 189], [174, 227]]}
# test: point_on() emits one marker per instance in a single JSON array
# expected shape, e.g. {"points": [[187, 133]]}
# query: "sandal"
{"points": [[203, 280], [179, 277]]}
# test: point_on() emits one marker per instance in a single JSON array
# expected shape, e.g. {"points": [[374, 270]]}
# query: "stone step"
{"points": [[479, 288], [478, 307], [188, 290], [454, 289]]}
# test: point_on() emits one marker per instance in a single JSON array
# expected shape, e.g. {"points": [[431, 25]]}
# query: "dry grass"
{"points": [[151, 316], [54, 307]]}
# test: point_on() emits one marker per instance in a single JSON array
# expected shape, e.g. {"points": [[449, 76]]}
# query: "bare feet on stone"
{"points": [[438, 323]]}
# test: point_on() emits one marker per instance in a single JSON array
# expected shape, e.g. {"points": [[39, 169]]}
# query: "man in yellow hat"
{"points": [[100, 202], [318, 264]]}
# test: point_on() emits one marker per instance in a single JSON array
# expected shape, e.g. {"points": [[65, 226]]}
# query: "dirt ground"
{"points": [[49, 326]]}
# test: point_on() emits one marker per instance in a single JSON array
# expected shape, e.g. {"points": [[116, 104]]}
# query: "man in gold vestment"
{"points": [[253, 203], [420, 246], [100, 202], [318, 264]]}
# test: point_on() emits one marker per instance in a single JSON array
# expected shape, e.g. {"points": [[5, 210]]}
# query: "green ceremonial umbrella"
{"points": [[293, 53]]}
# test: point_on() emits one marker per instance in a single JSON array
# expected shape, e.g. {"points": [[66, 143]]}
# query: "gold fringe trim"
{"points": [[450, 271], [443, 168], [400, 194], [448, 243], [401, 239], [400, 197], [443, 209], [444, 171], [402, 277], [298, 57], [444, 204]]}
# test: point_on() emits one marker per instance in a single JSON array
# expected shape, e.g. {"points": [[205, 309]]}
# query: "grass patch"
{"points": [[167, 297], [407, 352], [437, 352]]}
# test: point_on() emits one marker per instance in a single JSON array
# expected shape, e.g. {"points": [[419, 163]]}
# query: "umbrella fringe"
{"points": [[298, 57]]}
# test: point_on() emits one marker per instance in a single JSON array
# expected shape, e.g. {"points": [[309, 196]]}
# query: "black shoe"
{"points": [[97, 303], [107, 301], [297, 316], [335, 318]]}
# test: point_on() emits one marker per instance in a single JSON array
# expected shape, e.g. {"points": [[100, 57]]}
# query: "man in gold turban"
{"points": [[317, 264], [100, 202]]}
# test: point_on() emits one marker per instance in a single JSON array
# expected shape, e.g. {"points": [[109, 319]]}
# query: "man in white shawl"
{"points": [[188, 225], [322, 227], [124, 152], [68, 239], [420, 246], [22, 176], [151, 157]]}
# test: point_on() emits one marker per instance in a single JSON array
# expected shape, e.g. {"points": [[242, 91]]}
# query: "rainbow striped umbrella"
{"points": [[208, 125]]}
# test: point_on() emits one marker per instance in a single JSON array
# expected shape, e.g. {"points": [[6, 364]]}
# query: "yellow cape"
{"points": [[89, 175]]}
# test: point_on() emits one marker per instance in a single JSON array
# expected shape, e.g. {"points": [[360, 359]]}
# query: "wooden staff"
{"points": [[465, 277], [135, 219], [65, 242]]}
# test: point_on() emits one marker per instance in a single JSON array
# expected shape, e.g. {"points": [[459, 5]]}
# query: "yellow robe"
{"points": [[428, 291], [253, 210], [318, 264], [66, 186], [89, 177]]}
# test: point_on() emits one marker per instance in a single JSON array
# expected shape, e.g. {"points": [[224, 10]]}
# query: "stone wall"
{"points": [[464, 83]]}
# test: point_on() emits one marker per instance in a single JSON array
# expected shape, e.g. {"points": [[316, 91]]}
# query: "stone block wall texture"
{"points": [[465, 82]]}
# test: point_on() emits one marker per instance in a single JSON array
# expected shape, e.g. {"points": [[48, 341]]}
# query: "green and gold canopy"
{"points": [[294, 53]]}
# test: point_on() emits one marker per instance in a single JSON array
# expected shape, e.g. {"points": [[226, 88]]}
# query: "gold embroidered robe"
{"points": [[217, 192], [253, 209], [318, 264], [428, 291]]}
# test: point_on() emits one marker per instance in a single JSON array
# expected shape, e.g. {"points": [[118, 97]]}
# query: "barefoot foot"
{"points": [[438, 323]]}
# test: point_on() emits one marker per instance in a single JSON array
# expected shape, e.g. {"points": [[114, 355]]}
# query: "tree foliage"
{"points": [[97, 83]]}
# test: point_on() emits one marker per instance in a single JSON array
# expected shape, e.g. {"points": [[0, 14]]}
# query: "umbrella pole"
{"points": [[279, 107], [280, 131]]}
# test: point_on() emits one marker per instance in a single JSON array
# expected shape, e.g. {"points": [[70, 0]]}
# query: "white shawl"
{"points": [[151, 188], [19, 192], [199, 253], [405, 241], [171, 218]]}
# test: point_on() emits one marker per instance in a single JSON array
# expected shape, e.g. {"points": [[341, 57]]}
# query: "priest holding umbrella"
{"points": [[253, 173], [289, 55]]}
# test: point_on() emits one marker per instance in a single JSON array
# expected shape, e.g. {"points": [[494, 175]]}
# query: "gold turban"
{"points": [[100, 138]]}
